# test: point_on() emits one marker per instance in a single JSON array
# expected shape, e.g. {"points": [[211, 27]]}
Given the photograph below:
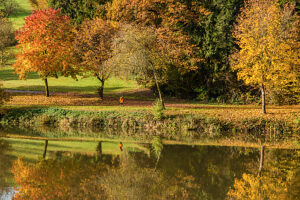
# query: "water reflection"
{"points": [[5, 165], [148, 171], [278, 178], [83, 177]]}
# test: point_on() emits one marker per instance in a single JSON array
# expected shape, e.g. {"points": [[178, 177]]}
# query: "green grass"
{"points": [[23, 11], [88, 85], [32, 150]]}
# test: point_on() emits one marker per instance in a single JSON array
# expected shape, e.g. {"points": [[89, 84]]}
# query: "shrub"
{"points": [[6, 39], [158, 109], [8, 7]]}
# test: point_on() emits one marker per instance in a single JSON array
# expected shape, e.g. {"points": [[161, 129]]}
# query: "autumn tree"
{"points": [[268, 40], [170, 21], [93, 46], [148, 52], [45, 44], [169, 46], [158, 13]]}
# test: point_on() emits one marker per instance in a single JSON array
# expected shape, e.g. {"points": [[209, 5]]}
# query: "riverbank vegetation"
{"points": [[143, 125]]}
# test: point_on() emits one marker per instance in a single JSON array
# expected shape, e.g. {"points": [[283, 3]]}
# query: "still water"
{"points": [[56, 169]]}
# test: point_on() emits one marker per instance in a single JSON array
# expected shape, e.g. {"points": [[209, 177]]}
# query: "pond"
{"points": [[94, 168]]}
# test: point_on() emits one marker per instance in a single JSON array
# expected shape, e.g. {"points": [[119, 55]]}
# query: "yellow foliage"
{"points": [[268, 37], [254, 188]]}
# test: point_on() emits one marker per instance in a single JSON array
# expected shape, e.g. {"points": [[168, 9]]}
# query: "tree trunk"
{"points": [[263, 99], [101, 88], [261, 160], [158, 88], [99, 148], [2, 58], [46, 87], [45, 149]]}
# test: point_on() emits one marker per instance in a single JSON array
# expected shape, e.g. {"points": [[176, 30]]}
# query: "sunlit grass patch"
{"points": [[88, 85], [24, 10]]}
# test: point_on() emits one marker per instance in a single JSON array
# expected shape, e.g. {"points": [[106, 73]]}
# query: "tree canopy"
{"points": [[268, 40], [93, 45], [45, 44]]}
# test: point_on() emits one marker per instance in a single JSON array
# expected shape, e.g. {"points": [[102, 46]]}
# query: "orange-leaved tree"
{"points": [[268, 40], [170, 19], [156, 13], [93, 46], [157, 38], [45, 43]]}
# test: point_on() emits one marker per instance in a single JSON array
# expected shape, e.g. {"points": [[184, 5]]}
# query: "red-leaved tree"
{"points": [[45, 44]]}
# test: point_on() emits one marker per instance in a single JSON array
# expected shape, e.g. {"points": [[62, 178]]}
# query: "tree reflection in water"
{"points": [[5, 165], [90, 177], [278, 180], [182, 172]]}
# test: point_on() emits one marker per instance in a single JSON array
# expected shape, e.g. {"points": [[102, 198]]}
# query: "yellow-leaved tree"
{"points": [[268, 40]]}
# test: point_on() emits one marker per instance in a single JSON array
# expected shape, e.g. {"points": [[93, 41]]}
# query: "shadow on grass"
{"points": [[9, 75], [31, 145], [21, 13], [66, 89]]}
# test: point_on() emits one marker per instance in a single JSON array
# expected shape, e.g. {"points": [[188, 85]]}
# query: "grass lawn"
{"points": [[24, 11], [88, 85]]}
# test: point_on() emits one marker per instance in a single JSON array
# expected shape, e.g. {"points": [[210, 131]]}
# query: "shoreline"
{"points": [[141, 124]]}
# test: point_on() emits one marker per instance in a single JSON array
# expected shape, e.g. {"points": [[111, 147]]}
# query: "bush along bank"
{"points": [[143, 122]]}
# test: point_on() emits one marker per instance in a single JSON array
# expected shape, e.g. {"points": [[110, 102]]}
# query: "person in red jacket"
{"points": [[121, 101], [121, 146]]}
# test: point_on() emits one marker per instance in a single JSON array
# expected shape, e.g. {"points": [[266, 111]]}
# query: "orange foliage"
{"points": [[52, 179], [45, 43], [93, 45], [169, 17]]}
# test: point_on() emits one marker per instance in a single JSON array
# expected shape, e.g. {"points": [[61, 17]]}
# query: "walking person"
{"points": [[122, 101]]}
